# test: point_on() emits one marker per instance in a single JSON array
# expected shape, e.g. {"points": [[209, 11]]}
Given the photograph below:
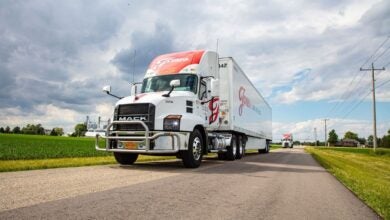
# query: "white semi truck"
{"points": [[287, 141], [190, 104]]}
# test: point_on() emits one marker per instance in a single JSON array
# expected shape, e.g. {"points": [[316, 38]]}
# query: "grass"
{"points": [[363, 171], [18, 165], [27, 147]]}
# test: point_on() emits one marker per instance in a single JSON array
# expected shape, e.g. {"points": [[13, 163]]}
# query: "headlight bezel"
{"points": [[172, 123]]}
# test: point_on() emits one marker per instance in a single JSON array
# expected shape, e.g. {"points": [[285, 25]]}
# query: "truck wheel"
{"points": [[193, 156], [232, 149], [264, 151], [124, 158], [240, 148]]}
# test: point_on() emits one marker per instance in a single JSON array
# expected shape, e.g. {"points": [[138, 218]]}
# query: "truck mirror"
{"points": [[133, 90], [107, 89], [214, 87], [175, 83]]}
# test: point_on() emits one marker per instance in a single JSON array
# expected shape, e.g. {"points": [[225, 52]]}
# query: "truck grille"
{"points": [[134, 112]]}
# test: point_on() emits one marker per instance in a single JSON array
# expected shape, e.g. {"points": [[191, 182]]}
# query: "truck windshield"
{"points": [[188, 82]]}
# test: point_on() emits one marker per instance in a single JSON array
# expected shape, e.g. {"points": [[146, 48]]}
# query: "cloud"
{"points": [[145, 46], [60, 54]]}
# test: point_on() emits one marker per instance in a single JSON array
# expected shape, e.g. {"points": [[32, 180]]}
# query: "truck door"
{"points": [[203, 98]]}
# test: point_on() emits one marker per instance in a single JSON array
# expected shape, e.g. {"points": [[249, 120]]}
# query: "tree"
{"points": [[385, 142], [80, 129], [2, 130], [53, 132], [351, 135], [16, 130], [333, 137], [59, 131], [33, 129], [7, 129]]}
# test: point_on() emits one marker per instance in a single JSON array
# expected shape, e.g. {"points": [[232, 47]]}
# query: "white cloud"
{"points": [[57, 56]]}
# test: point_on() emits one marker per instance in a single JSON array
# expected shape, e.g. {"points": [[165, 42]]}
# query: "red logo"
{"points": [[214, 108], [243, 99]]}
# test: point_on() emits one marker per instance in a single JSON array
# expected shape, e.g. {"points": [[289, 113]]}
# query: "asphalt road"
{"points": [[284, 184]]}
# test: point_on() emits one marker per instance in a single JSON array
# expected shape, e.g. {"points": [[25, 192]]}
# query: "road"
{"points": [[284, 184]]}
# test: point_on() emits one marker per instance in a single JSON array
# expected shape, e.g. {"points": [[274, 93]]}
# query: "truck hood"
{"points": [[153, 97]]}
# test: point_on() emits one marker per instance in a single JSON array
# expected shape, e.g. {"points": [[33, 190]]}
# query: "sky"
{"points": [[303, 56]]}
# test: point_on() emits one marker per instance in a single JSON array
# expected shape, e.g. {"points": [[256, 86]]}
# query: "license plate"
{"points": [[130, 145]]}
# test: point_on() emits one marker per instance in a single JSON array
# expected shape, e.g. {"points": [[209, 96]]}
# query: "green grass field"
{"points": [[17, 147], [363, 171]]}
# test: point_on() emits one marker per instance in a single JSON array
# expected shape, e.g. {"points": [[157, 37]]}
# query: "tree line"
{"points": [[334, 140], [38, 129]]}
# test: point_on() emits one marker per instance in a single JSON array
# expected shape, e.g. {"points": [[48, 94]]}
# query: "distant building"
{"points": [[348, 143]]}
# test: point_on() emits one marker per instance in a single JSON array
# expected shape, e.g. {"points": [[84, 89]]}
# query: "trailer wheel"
{"points": [[192, 157], [266, 150], [124, 158], [240, 147], [232, 149]]}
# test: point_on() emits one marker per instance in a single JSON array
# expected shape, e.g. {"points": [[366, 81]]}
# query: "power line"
{"points": [[377, 49], [349, 92], [381, 54]]}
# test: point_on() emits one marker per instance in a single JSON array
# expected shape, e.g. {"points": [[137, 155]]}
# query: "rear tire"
{"points": [[266, 150], [232, 149], [240, 148], [192, 157], [124, 158]]}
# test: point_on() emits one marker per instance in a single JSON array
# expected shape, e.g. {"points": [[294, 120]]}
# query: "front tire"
{"points": [[124, 158], [192, 157]]}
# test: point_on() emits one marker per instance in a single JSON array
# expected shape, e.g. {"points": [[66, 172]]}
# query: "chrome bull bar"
{"points": [[139, 136]]}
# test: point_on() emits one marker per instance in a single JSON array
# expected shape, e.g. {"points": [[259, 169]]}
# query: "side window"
{"points": [[202, 90]]}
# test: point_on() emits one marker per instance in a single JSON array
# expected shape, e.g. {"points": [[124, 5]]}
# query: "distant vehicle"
{"points": [[191, 104], [287, 141]]}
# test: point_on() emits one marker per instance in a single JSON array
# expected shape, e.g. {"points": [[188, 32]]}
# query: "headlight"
{"points": [[115, 117], [172, 123]]}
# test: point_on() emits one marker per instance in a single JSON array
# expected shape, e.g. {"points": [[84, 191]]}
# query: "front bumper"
{"points": [[143, 142]]}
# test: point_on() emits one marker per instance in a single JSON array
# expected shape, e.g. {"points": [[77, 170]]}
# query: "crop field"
{"points": [[17, 147], [363, 171], [29, 152]]}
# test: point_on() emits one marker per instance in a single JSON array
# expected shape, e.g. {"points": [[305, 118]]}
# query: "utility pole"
{"points": [[326, 119], [315, 136], [373, 101]]}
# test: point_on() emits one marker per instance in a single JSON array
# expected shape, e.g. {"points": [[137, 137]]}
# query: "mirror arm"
{"points": [[118, 97], [169, 93]]}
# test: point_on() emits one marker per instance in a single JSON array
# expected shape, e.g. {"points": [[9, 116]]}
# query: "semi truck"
{"points": [[287, 141], [189, 104]]}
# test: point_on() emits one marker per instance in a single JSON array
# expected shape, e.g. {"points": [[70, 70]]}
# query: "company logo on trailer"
{"points": [[244, 101], [214, 108]]}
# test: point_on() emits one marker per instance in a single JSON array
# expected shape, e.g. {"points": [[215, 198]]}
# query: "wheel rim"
{"points": [[196, 148], [234, 148]]}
